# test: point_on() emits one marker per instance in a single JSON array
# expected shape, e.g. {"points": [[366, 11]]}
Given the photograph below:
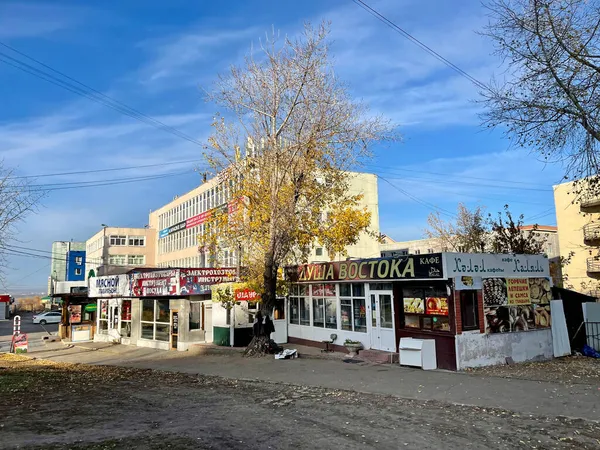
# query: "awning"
{"points": [[91, 307]]}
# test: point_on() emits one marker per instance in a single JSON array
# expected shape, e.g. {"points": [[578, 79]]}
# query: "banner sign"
{"points": [[246, 295], [407, 267], [199, 219], [108, 286], [155, 283], [518, 291], [75, 314], [199, 281], [461, 264]]}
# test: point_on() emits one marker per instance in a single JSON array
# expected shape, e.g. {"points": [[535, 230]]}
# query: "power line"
{"points": [[420, 44], [422, 202], [14, 284], [88, 92], [113, 169], [459, 176]]}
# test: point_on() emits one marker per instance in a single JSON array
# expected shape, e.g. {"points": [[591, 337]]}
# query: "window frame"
{"points": [[117, 240], [155, 322], [464, 310], [131, 241]]}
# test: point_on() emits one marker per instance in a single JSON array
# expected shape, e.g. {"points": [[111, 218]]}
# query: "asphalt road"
{"points": [[34, 332]]}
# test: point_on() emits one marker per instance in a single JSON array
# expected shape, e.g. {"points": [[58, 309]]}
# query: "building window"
{"points": [[429, 250], [117, 260], [137, 241], [117, 240], [155, 319], [79, 260], [298, 295], [426, 308], [469, 310], [324, 306], [195, 316], [136, 260], [353, 307], [417, 252], [77, 271], [319, 251]]}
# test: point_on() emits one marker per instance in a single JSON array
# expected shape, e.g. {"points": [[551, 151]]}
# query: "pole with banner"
{"points": [[18, 343]]}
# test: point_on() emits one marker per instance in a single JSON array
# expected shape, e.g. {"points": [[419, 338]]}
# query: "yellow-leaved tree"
{"points": [[285, 140]]}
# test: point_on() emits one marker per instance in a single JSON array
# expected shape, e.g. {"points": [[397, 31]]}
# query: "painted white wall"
{"points": [[323, 334], [474, 349]]}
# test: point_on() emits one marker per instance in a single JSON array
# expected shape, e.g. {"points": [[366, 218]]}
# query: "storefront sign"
{"points": [[460, 264], [408, 267], [199, 281], [153, 283], [172, 229], [246, 295], [108, 286]]}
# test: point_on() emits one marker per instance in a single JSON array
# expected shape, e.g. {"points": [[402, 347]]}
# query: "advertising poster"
{"points": [[75, 313], [466, 283], [540, 290], [494, 292], [414, 305], [20, 343], [505, 319], [518, 291], [323, 290], [154, 283], [436, 305], [199, 281], [246, 295]]}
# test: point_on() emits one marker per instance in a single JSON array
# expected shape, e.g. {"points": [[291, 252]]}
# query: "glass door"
{"points": [[114, 325], [383, 336]]}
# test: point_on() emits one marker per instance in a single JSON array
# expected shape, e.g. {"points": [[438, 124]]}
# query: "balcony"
{"points": [[591, 233], [594, 293], [593, 265], [590, 201]]}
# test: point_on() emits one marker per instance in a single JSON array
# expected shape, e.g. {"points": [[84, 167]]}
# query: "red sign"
{"points": [[435, 305], [199, 219], [246, 295], [4, 298]]}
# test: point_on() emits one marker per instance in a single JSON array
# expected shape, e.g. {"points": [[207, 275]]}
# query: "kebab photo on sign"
{"points": [[494, 292]]}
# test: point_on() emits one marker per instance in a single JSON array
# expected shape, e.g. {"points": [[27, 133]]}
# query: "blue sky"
{"points": [[155, 56]]}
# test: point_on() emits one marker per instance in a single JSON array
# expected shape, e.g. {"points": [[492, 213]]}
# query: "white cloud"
{"points": [[32, 19]]}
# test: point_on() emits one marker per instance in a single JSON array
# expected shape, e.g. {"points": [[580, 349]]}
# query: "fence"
{"points": [[592, 331]]}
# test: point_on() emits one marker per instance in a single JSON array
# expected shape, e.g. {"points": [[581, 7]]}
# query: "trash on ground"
{"points": [[287, 354]]}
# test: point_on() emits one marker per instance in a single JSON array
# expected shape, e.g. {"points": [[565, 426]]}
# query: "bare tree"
{"points": [[288, 136], [18, 198], [549, 98], [468, 231], [509, 236]]}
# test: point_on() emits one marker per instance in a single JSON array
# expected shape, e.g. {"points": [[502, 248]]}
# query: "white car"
{"points": [[47, 317]]}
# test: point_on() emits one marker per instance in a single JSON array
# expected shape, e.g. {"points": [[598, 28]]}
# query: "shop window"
{"points": [[324, 306], [103, 317], [298, 295], [425, 308], [304, 311], [380, 286], [386, 318], [319, 312], [195, 316], [353, 308], [319, 251], [469, 310], [155, 319], [279, 310], [126, 318]]}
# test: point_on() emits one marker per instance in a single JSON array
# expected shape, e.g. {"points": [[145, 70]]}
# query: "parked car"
{"points": [[47, 317]]}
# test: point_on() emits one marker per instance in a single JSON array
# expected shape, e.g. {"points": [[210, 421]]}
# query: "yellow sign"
{"points": [[518, 291]]}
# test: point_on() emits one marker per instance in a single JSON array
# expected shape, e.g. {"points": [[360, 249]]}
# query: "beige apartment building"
{"points": [[391, 248], [180, 222], [578, 221], [113, 249]]}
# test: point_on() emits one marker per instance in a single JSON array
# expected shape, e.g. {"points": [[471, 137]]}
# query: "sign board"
{"points": [[154, 283], [466, 283], [407, 267], [246, 295], [19, 343], [482, 265], [79, 290], [199, 219], [4, 298], [108, 286], [199, 281], [75, 314]]}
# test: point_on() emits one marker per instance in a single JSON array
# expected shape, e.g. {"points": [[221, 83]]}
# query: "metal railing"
{"points": [[594, 293], [591, 232], [593, 265]]}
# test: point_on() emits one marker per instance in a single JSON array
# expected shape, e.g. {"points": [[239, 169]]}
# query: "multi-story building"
{"points": [[114, 249], [389, 248], [76, 263], [62, 252], [181, 221], [578, 220]]}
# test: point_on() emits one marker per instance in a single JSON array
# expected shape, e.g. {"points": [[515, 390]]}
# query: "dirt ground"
{"points": [[567, 370], [56, 405]]}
